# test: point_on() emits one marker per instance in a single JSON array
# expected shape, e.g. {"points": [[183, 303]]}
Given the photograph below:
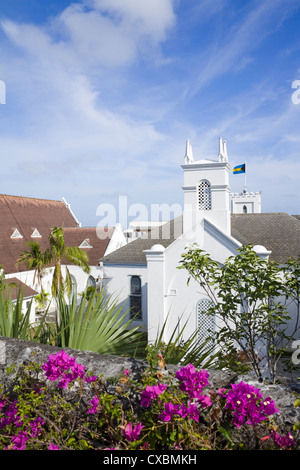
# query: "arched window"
{"points": [[135, 298], [245, 210], [91, 282], [204, 196], [205, 322]]}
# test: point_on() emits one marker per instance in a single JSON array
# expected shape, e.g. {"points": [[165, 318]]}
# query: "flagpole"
{"points": [[245, 186]]}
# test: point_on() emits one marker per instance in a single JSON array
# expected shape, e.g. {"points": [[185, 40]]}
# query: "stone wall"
{"points": [[19, 353]]}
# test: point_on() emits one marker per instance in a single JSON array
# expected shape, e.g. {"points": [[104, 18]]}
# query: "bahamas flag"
{"points": [[239, 169]]}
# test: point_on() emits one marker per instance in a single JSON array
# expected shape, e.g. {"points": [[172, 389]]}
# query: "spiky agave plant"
{"points": [[98, 323], [179, 351], [14, 319]]}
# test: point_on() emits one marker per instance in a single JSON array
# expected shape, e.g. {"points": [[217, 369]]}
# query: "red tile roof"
{"points": [[27, 214], [98, 241], [17, 287]]}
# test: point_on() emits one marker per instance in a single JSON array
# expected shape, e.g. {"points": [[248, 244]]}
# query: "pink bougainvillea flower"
{"points": [[35, 426], [90, 379], [282, 441], [247, 404], [204, 401], [63, 367], [132, 433], [94, 405], [191, 380], [53, 446], [193, 412], [151, 392], [19, 441], [169, 411]]}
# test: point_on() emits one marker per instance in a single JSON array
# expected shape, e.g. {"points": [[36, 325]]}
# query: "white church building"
{"points": [[143, 273]]}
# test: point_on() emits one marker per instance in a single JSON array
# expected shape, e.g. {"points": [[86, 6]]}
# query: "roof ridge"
{"points": [[13, 196]]}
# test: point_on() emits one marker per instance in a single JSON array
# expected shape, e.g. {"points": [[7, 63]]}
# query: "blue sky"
{"points": [[101, 96]]}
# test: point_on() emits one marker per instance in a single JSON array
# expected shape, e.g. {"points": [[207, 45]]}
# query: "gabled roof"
{"points": [[16, 287], [133, 252], [277, 232], [22, 216], [97, 238]]}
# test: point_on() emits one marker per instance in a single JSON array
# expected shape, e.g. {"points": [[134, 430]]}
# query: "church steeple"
{"points": [[206, 189]]}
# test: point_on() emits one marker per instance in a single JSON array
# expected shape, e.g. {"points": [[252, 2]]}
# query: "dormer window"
{"points": [[85, 244], [16, 234], [36, 234], [204, 196]]}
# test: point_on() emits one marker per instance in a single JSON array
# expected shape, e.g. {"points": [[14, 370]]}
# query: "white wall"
{"points": [[28, 278], [117, 240], [252, 201], [181, 299], [118, 285]]}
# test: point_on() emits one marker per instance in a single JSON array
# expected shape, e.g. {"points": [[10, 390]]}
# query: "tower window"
{"points": [[204, 196], [135, 298]]}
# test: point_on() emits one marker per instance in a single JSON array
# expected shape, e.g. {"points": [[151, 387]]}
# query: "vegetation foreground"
{"points": [[58, 406]]}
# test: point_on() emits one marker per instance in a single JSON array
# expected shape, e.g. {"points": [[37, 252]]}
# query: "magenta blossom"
{"points": [[94, 405], [204, 401], [35, 426], [132, 433], [19, 441], [53, 446], [247, 404], [192, 381], [181, 410], [193, 412], [151, 392], [171, 410], [282, 441], [63, 367]]}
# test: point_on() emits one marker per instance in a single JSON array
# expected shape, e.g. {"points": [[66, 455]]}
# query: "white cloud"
{"points": [[87, 118], [148, 17]]}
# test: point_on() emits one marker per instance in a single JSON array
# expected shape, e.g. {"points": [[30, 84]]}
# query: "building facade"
{"points": [[26, 219], [215, 220]]}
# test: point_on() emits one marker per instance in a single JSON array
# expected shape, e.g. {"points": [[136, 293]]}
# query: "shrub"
{"points": [[59, 406]]}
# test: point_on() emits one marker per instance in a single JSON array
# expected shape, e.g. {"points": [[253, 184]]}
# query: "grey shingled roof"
{"points": [[133, 252], [278, 232]]}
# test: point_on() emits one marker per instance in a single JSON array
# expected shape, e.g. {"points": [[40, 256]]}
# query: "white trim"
{"points": [[36, 234], [16, 234], [85, 244]]}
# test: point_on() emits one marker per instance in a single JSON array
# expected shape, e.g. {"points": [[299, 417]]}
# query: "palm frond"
{"points": [[179, 351], [78, 257], [97, 324]]}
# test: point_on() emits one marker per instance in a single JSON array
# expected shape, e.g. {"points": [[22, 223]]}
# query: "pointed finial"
{"points": [[225, 151], [221, 150], [188, 153]]}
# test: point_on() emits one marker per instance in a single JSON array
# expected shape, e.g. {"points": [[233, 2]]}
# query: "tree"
{"points": [[249, 301], [59, 252], [34, 259]]}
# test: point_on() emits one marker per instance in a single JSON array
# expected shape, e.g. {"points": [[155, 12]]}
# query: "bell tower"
{"points": [[206, 190]]}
